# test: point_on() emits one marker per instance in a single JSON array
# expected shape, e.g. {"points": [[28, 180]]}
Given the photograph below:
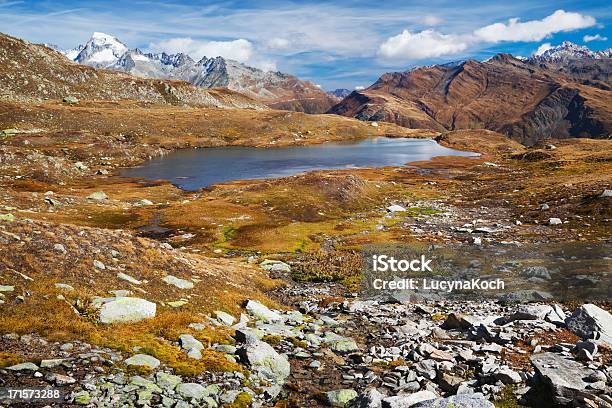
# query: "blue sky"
{"points": [[335, 44]]}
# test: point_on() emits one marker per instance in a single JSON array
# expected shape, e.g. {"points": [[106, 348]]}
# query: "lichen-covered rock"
{"points": [[142, 360], [263, 359], [126, 309], [340, 398]]}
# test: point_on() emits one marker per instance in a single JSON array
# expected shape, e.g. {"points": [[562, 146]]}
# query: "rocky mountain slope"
{"points": [[276, 89], [538, 101], [35, 72]]}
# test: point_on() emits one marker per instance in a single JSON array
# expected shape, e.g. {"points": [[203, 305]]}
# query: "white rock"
{"points": [[126, 309], [261, 312], [395, 208], [555, 221], [128, 278], [178, 282]]}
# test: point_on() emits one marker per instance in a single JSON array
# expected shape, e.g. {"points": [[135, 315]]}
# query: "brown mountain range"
{"points": [[522, 100]]}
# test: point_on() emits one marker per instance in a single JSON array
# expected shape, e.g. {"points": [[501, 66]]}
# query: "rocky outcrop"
{"points": [[591, 322], [537, 103]]}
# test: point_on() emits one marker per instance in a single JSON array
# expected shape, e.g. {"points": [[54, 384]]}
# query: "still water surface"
{"points": [[192, 169]]}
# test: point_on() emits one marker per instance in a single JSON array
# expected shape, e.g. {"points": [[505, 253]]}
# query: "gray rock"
{"points": [[587, 345], [142, 360], [167, 381], [23, 367], [189, 342], [340, 398], [99, 265], [508, 376], [458, 321], [126, 309], [225, 318], [406, 401], [128, 278], [261, 312], [64, 286], [564, 376], [98, 196], [194, 354], [339, 343], [263, 359], [71, 100], [540, 272], [178, 282], [457, 401], [371, 398], [192, 391], [591, 322]]}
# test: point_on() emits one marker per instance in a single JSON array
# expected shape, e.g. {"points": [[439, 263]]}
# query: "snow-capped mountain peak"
{"points": [[102, 50], [568, 50]]}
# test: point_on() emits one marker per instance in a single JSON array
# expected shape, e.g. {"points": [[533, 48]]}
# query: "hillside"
{"points": [[30, 72], [538, 103], [275, 89]]}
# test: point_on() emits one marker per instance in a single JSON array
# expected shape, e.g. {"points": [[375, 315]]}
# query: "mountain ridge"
{"points": [[275, 89], [540, 99]]}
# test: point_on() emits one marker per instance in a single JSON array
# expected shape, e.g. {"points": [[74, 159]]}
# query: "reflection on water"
{"points": [[191, 169]]}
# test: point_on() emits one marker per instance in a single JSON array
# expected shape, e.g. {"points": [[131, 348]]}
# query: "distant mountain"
{"points": [[578, 62], [569, 51], [527, 100], [275, 89], [340, 93], [31, 72]]}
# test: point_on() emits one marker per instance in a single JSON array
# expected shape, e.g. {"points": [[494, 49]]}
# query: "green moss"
{"points": [[508, 399], [243, 400]]}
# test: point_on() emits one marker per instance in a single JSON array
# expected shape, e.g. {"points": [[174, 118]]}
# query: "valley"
{"points": [[130, 292]]}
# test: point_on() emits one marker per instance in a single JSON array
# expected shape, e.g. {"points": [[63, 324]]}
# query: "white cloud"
{"points": [[240, 50], [534, 30], [420, 45], [359, 88], [596, 37], [431, 20], [279, 43], [542, 49]]}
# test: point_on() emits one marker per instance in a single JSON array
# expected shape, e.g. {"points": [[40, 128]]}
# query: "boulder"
{"points": [[564, 376], [126, 309], [142, 360], [189, 342], [340, 398], [591, 322], [406, 401], [457, 401], [263, 359], [261, 312], [225, 318]]}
